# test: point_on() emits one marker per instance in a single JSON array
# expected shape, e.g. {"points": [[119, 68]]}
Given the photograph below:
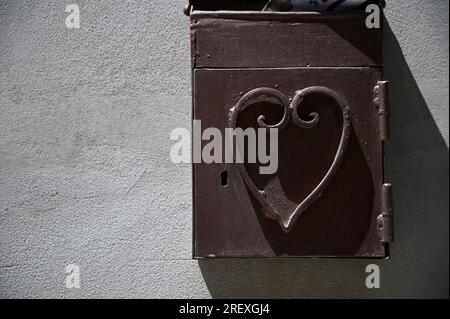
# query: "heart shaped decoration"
{"points": [[287, 216]]}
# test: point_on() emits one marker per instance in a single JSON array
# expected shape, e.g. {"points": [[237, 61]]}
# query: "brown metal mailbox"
{"points": [[318, 78]]}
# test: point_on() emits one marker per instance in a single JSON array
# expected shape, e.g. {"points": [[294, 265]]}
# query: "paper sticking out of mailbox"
{"points": [[315, 5]]}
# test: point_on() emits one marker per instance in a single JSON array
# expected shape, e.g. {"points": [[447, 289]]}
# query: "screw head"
{"points": [[187, 9]]}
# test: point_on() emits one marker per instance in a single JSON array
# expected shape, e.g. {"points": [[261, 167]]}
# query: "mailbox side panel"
{"points": [[342, 222]]}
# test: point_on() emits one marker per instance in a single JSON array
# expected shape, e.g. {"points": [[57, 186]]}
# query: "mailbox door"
{"points": [[341, 218]]}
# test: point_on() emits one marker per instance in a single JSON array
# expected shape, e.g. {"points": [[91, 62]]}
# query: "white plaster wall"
{"points": [[85, 175]]}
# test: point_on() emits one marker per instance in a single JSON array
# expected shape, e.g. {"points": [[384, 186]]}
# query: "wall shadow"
{"points": [[417, 165]]}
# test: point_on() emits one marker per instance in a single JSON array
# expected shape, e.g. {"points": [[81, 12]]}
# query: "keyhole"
{"points": [[224, 178]]}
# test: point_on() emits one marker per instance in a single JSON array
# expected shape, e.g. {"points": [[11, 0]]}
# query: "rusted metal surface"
{"points": [[328, 193]]}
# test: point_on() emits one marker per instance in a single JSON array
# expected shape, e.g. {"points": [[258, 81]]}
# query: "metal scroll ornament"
{"points": [[287, 220]]}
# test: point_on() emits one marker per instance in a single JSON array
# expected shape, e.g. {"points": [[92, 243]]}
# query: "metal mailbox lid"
{"points": [[265, 40]]}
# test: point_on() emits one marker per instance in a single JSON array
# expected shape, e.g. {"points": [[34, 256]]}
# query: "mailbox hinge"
{"points": [[381, 101], [385, 221]]}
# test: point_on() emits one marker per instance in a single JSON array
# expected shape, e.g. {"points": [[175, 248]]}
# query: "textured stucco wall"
{"points": [[85, 175]]}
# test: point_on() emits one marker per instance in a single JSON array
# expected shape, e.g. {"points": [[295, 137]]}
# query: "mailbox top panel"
{"points": [[282, 5], [251, 39]]}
